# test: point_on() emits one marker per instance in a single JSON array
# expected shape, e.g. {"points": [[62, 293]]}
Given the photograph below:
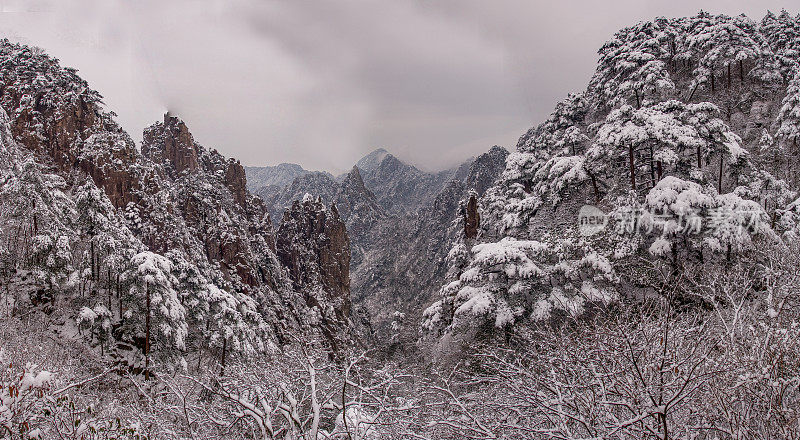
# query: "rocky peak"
{"points": [[170, 143], [485, 168], [392, 165], [236, 180], [360, 209], [55, 114], [472, 219], [312, 243], [353, 183], [280, 175], [372, 160]]}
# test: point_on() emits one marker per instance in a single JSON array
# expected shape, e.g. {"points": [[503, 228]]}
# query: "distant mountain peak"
{"points": [[355, 176], [373, 160], [289, 166], [353, 185], [280, 175]]}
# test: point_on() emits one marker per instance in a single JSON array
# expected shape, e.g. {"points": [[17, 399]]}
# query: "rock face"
{"points": [[405, 261], [279, 199], [236, 181], [170, 143], [210, 195], [372, 160], [313, 245], [55, 114], [175, 198], [358, 205], [485, 169], [280, 175], [472, 219], [398, 242], [399, 186]]}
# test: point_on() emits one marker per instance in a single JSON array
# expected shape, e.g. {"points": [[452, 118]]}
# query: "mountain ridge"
{"points": [[388, 204]]}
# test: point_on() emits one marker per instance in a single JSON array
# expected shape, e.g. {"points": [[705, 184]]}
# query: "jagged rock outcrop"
{"points": [[357, 204], [312, 243], [397, 253], [176, 198], [170, 143], [210, 193], [54, 113], [236, 181], [472, 219], [387, 280], [399, 186], [483, 171], [317, 183]]}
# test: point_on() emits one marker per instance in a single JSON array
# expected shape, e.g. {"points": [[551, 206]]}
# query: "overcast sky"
{"points": [[321, 83]]}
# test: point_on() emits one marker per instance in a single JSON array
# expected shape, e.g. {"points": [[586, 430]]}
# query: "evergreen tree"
{"points": [[154, 308]]}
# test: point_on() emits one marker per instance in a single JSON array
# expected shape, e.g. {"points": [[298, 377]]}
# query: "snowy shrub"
{"points": [[513, 280]]}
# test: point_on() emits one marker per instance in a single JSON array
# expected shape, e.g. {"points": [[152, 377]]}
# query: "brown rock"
{"points": [[472, 219], [236, 181], [73, 135], [312, 243], [171, 143]]}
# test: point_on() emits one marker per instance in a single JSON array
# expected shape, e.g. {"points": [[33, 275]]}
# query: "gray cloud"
{"points": [[322, 82]]}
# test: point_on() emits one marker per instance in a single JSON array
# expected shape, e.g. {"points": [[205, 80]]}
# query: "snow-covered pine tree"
{"points": [[663, 116], [782, 33], [36, 205], [218, 318], [154, 310], [632, 67], [516, 280], [789, 116], [111, 243]]}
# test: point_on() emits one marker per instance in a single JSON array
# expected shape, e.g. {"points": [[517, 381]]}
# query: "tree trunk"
{"points": [[147, 336], [594, 186], [91, 257], [632, 168], [659, 170], [741, 70], [109, 286], [652, 168], [693, 91], [729, 76], [674, 249], [713, 88], [119, 299], [9, 312], [224, 349], [699, 158], [721, 166]]}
